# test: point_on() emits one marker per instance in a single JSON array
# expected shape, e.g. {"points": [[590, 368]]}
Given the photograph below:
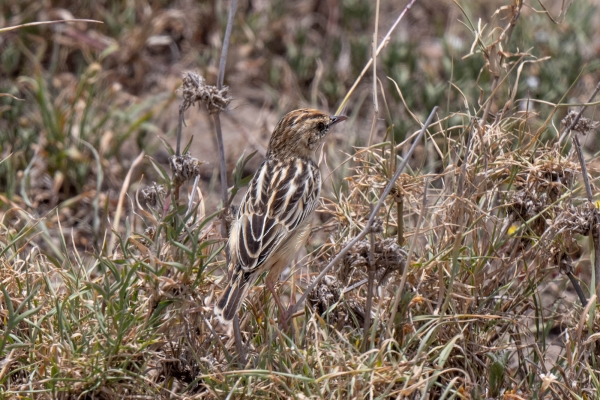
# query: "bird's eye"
{"points": [[321, 126]]}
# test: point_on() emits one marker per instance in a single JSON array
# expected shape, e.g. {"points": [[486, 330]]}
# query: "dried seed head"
{"points": [[539, 187], [325, 294], [184, 167], [195, 89], [583, 126], [388, 257], [577, 219], [152, 195], [324, 297]]}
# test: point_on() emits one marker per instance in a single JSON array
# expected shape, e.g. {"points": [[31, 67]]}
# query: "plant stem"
{"points": [[368, 306], [400, 205], [223, 171], [179, 129], [383, 43], [595, 228], [223, 165], [400, 290], [223, 59], [588, 189]]}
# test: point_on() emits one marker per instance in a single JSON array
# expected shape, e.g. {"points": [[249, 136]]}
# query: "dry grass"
{"points": [[467, 256]]}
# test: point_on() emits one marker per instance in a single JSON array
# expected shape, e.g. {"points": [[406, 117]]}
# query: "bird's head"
{"points": [[300, 132]]}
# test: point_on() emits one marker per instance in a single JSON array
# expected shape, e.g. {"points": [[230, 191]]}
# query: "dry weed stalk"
{"points": [[585, 126], [184, 168]]}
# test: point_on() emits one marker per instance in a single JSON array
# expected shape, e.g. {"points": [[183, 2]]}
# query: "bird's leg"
{"points": [[282, 313]]}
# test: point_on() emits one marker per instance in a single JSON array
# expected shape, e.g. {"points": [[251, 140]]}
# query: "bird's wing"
{"points": [[280, 197]]}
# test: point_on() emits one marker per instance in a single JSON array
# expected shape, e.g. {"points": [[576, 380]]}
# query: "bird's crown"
{"points": [[300, 132]]}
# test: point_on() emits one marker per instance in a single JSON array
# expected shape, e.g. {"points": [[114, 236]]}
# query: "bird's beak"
{"points": [[337, 118]]}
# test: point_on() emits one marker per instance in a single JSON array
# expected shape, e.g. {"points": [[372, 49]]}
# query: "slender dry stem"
{"points": [[371, 279], [223, 166], [10, 28], [124, 188], [223, 59], [383, 43], [595, 231], [223, 175], [179, 131], [595, 228], [371, 273], [399, 292]]}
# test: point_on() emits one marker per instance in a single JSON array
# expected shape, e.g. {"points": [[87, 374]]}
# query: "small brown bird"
{"points": [[273, 221]]}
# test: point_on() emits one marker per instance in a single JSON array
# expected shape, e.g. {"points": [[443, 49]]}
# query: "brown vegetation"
{"points": [[111, 240]]}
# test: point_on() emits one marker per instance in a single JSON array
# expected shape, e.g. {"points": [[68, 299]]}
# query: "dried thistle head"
{"points": [[195, 89], [583, 126], [184, 167], [540, 184], [325, 294], [388, 257], [152, 195], [577, 219], [324, 297]]}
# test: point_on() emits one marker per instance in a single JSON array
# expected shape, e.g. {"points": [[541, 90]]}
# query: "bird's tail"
{"points": [[230, 301]]}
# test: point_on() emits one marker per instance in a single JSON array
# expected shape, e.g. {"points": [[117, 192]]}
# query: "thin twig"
{"points": [[369, 223], [124, 188], [223, 165], [178, 149], [371, 272], [584, 172], [588, 189], [217, 337], [413, 243], [223, 59], [179, 131], [371, 275], [400, 210], [595, 230], [223, 171], [193, 195], [10, 28], [354, 286], [217, 119], [383, 43]]}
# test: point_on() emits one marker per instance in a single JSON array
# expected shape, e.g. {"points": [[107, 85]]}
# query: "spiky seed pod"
{"points": [[184, 167], [195, 89], [583, 126]]}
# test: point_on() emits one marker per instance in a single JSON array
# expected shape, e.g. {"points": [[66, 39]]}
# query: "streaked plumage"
{"points": [[273, 221]]}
